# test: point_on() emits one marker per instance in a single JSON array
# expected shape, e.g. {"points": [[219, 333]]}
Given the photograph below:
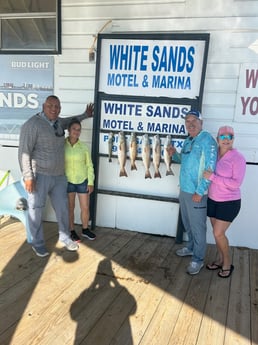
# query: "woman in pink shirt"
{"points": [[224, 197]]}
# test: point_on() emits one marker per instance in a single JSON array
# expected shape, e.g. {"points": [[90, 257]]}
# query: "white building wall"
{"points": [[232, 25]]}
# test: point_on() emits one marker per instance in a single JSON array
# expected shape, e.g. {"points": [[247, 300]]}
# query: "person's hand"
{"points": [[196, 197], [89, 110], [29, 186], [171, 150], [90, 189], [207, 174]]}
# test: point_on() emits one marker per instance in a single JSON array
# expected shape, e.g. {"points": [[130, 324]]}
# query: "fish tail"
{"points": [[147, 174], [169, 172], [123, 173], [133, 166], [157, 174]]}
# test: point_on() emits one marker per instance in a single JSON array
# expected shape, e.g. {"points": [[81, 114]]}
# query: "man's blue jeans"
{"points": [[194, 218], [55, 187]]}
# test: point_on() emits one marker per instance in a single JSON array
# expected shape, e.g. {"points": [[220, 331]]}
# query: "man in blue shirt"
{"points": [[199, 153]]}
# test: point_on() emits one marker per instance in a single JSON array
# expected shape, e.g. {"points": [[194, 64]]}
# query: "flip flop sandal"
{"points": [[213, 266], [230, 270]]}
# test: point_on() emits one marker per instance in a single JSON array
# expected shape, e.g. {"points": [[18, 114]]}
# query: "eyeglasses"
{"points": [[226, 136], [59, 131]]}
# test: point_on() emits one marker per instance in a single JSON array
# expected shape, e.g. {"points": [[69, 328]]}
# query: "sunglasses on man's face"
{"points": [[226, 136]]}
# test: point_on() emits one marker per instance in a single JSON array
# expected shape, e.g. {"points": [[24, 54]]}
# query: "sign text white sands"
{"points": [[151, 67], [143, 117]]}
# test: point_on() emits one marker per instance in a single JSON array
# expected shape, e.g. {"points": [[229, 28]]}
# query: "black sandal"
{"points": [[230, 270]]}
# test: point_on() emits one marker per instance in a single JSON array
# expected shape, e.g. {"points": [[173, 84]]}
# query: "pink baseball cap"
{"points": [[225, 130]]}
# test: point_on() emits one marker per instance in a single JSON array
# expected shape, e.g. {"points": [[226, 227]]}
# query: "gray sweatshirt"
{"points": [[40, 149]]}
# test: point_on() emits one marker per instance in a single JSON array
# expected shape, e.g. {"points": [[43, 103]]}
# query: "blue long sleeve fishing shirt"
{"points": [[198, 154]]}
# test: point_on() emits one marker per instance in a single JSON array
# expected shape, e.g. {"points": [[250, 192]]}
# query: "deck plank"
{"points": [[147, 291], [254, 294], [238, 320], [162, 323], [191, 312], [212, 329]]}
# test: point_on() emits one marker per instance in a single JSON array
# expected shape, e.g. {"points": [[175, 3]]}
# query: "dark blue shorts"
{"points": [[223, 210], [81, 188]]}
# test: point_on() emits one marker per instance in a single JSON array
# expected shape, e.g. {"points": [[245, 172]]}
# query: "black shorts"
{"points": [[81, 188], [223, 210]]}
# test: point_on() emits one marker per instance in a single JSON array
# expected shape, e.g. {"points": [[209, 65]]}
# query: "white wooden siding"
{"points": [[233, 28]]}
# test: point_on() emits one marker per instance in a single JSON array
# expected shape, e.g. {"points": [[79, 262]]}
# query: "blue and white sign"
{"points": [[156, 118], [154, 68], [145, 84]]}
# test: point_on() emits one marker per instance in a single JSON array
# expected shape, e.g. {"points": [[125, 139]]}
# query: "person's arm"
{"points": [[238, 173], [27, 142], [88, 113], [91, 175], [176, 157]]}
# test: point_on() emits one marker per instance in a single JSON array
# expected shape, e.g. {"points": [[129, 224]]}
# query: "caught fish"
{"points": [[156, 155], [110, 145], [167, 157], [146, 155], [122, 153], [133, 150]]}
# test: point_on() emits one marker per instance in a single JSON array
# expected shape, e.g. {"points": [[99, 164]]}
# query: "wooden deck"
{"points": [[125, 288]]}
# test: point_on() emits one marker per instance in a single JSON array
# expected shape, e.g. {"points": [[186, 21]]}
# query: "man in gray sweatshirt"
{"points": [[41, 159]]}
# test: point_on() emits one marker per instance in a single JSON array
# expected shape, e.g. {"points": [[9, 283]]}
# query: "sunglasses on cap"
{"points": [[226, 136], [195, 113]]}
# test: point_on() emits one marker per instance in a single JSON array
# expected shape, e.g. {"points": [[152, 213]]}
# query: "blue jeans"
{"points": [[54, 187], [194, 218]]}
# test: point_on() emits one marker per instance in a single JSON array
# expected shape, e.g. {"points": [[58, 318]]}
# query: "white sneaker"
{"points": [[194, 267], [184, 252], [70, 245]]}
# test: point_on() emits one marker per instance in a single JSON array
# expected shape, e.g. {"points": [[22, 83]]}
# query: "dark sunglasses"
{"points": [[226, 136], [59, 131], [193, 112]]}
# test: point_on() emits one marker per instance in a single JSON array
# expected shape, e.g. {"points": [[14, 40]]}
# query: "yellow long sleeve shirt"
{"points": [[78, 163]]}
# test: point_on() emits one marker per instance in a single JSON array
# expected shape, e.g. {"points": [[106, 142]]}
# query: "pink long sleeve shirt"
{"points": [[228, 177]]}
